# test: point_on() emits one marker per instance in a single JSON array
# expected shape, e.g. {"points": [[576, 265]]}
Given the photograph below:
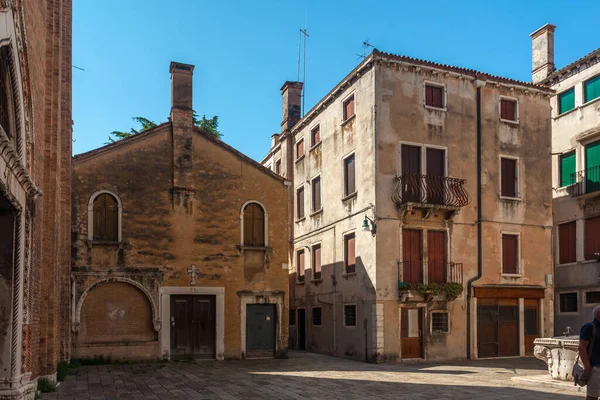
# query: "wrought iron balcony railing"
{"points": [[412, 272], [585, 181], [431, 190]]}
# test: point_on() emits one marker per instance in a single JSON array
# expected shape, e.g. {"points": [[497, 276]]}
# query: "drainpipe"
{"points": [[479, 84]]}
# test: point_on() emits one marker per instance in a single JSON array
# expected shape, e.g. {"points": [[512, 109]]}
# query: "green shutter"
{"points": [[567, 169], [566, 101], [591, 89], [592, 167]]}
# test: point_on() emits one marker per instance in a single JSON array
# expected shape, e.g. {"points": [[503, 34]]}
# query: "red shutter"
{"points": [[508, 177], [300, 202], [317, 261], [316, 135], [349, 175], [508, 110], [300, 149], [510, 254], [316, 194], [592, 238], [350, 253], [438, 96], [429, 95], [436, 256], [567, 239], [349, 108], [412, 256]]}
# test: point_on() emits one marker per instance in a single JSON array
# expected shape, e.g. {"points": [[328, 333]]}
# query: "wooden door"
{"points": [[412, 185], [261, 322], [193, 327], [531, 319], [301, 329], [436, 170], [411, 256], [508, 328], [487, 328], [411, 337], [436, 256]]}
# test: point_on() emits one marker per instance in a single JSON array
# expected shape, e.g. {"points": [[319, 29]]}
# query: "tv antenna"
{"points": [[366, 46], [302, 57]]}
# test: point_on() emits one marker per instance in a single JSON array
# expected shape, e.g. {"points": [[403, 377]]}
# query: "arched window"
{"points": [[254, 225], [7, 98], [106, 218]]}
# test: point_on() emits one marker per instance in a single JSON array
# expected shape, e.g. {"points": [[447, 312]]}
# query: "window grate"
{"points": [[316, 316], [350, 315], [439, 322]]}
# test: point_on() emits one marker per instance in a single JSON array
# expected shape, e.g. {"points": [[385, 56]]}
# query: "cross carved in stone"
{"points": [[193, 272]]}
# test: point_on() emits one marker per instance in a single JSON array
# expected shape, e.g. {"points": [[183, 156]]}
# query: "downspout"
{"points": [[479, 84]]}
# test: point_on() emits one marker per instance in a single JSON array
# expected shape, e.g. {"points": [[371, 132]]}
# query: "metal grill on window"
{"points": [[316, 316], [439, 322], [350, 315]]}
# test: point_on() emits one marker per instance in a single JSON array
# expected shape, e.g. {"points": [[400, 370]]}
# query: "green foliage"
{"points": [[451, 289], [209, 125], [45, 385], [62, 370]]}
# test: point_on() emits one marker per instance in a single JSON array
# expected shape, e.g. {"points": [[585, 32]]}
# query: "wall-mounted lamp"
{"points": [[369, 225]]}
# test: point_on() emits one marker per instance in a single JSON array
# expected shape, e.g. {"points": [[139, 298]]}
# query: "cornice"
{"points": [[15, 164]]}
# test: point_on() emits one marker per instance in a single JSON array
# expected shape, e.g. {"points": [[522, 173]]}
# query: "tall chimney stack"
{"points": [[542, 53], [182, 124], [291, 100]]}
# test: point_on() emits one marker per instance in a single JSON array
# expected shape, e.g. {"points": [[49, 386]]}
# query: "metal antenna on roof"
{"points": [[302, 57], [365, 45]]}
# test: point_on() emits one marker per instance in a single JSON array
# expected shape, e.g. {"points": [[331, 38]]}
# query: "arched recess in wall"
{"points": [[105, 205], [254, 224], [113, 311]]}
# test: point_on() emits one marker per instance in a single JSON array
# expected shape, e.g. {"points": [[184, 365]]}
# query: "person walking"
{"points": [[590, 355]]}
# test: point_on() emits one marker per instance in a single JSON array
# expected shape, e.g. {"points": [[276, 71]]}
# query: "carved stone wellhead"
{"points": [[430, 189]]}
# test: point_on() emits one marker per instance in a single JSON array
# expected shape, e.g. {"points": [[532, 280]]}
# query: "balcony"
{"points": [[584, 182], [430, 192], [444, 283]]}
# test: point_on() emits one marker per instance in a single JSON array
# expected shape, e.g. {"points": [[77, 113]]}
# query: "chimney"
{"points": [[542, 53], [291, 98], [182, 125]]}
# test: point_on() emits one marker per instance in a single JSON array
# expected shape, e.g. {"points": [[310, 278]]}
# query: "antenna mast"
{"points": [[302, 57]]}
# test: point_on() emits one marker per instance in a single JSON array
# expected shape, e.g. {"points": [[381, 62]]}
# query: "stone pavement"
{"points": [[309, 376]]}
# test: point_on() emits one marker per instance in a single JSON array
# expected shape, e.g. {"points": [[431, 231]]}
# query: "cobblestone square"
{"points": [[309, 376]]}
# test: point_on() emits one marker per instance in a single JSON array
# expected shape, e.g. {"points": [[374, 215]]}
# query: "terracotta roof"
{"points": [[556, 75], [465, 71]]}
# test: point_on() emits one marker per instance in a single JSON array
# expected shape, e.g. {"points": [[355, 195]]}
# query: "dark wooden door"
{"points": [[261, 322], [487, 328], [436, 256], [412, 271], [436, 170], [301, 329], [412, 333], [508, 327], [498, 327], [193, 326], [531, 324], [412, 185]]}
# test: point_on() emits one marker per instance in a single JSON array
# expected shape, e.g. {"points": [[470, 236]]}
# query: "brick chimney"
{"points": [[542, 53], [181, 120], [291, 100]]}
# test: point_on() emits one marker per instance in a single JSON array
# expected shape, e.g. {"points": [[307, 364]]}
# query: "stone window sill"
{"points": [[300, 158], [510, 121], [316, 280], [508, 198], [432, 108], [511, 275], [350, 196], [104, 243], [300, 219], [349, 274], [300, 282], [344, 123], [315, 146], [315, 213]]}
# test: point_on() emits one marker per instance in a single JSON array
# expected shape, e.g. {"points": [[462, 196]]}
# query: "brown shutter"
{"points": [[300, 264], [508, 109], [429, 95], [317, 261], [349, 175], [435, 162], [248, 229], [567, 243], [438, 95], [315, 135], [412, 256], [508, 177], [300, 202], [278, 167], [100, 217], [258, 236], [436, 256], [349, 108], [411, 159], [112, 218], [592, 238], [509, 254], [300, 149], [350, 253], [316, 194]]}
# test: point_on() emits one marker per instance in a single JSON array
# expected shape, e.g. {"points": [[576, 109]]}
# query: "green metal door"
{"points": [[592, 167], [260, 330]]}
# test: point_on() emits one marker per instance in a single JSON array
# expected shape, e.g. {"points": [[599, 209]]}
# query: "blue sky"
{"points": [[244, 51]]}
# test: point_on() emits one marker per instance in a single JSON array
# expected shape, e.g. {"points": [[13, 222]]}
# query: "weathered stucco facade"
{"points": [[575, 177], [35, 163], [181, 197], [391, 117]]}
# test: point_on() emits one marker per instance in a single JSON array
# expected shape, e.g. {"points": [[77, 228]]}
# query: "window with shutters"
{"points": [[510, 253], [567, 169], [567, 241], [439, 322], [568, 302], [300, 265], [316, 316], [278, 167], [434, 95], [299, 149], [316, 194], [316, 261], [592, 238], [105, 218], [292, 317], [349, 253], [566, 101], [509, 109], [254, 225], [349, 175], [315, 136], [349, 108], [300, 203], [591, 89], [509, 177], [349, 314], [592, 297], [8, 116]]}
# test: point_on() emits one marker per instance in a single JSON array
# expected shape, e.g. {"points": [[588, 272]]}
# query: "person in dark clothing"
{"points": [[591, 362]]}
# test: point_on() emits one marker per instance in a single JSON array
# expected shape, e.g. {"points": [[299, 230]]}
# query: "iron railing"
{"points": [[585, 181], [430, 189], [437, 272]]}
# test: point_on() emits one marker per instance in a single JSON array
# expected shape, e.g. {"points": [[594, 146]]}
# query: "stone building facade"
{"points": [[35, 165], [180, 245], [576, 179], [412, 180]]}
